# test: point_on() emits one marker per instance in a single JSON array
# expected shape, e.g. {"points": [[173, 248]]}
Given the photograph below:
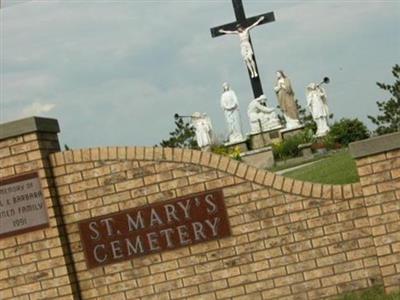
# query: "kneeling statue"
{"points": [[262, 118]]}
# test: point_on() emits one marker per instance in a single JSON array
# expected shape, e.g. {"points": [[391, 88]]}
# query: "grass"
{"points": [[291, 165], [340, 168], [373, 293]]}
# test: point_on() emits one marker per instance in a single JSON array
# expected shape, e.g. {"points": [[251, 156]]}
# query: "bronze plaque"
{"points": [[22, 206], [154, 228]]}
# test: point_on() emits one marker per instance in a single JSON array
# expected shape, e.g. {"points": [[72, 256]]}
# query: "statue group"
{"points": [[263, 118]]}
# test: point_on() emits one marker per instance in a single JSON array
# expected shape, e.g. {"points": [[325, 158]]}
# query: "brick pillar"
{"points": [[378, 163], [34, 265]]}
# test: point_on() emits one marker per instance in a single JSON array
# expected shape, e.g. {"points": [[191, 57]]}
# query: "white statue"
{"points": [[203, 128], [316, 102], [245, 46], [230, 105], [285, 95], [262, 118]]}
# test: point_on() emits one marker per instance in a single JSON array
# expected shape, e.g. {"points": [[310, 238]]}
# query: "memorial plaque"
{"points": [[22, 206], [154, 228]]}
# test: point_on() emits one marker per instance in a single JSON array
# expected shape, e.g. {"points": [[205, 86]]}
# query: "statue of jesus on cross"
{"points": [[242, 27], [245, 47]]}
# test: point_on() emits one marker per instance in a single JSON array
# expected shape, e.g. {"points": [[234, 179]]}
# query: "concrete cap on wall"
{"points": [[375, 145], [28, 125]]}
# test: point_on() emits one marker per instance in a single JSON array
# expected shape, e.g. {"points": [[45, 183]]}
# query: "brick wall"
{"points": [[378, 162], [290, 239], [33, 265]]}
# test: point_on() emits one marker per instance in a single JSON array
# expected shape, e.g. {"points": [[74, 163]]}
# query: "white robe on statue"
{"points": [[230, 105], [316, 102], [203, 128]]}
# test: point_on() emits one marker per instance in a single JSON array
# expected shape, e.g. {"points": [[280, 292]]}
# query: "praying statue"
{"points": [[316, 102], [262, 118], [245, 46], [285, 94], [230, 105], [203, 129]]}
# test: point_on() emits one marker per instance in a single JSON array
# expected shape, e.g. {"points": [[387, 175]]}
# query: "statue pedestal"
{"points": [[260, 158], [264, 138], [285, 133], [320, 148], [306, 150], [242, 146]]}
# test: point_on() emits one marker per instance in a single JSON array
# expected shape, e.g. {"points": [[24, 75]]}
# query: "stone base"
{"points": [[319, 139], [241, 145], [265, 138], [285, 133], [321, 151], [306, 150], [261, 158]]}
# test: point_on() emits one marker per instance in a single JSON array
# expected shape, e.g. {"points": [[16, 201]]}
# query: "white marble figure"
{"points": [[262, 118], [316, 102], [287, 104], [230, 105], [203, 128], [245, 46]]}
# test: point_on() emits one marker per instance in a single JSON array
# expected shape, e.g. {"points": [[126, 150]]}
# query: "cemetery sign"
{"points": [[22, 206], [154, 228]]}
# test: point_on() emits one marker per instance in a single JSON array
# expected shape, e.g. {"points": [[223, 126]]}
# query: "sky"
{"points": [[114, 72]]}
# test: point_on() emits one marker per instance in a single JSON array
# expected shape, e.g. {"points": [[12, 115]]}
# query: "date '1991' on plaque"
{"points": [[22, 205]]}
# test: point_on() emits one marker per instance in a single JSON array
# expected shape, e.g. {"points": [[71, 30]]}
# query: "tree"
{"points": [[346, 131], [389, 121], [182, 137]]}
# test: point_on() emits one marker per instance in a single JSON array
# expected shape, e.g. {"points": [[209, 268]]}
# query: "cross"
{"points": [[243, 21]]}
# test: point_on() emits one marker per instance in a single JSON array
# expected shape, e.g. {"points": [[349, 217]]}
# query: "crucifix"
{"points": [[242, 27]]}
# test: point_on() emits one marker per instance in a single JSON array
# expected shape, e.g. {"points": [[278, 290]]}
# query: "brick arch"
{"points": [[289, 238], [214, 161]]}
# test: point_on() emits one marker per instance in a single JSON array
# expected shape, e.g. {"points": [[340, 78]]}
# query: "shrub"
{"points": [[346, 131], [329, 142], [372, 293], [226, 151], [290, 146]]}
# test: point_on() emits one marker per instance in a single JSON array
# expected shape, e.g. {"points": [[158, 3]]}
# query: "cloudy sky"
{"points": [[114, 72]]}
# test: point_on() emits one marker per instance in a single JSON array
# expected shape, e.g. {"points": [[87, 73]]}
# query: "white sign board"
{"points": [[22, 205]]}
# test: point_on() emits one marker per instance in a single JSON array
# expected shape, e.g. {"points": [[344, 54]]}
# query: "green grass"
{"points": [[373, 293], [291, 165], [340, 168]]}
